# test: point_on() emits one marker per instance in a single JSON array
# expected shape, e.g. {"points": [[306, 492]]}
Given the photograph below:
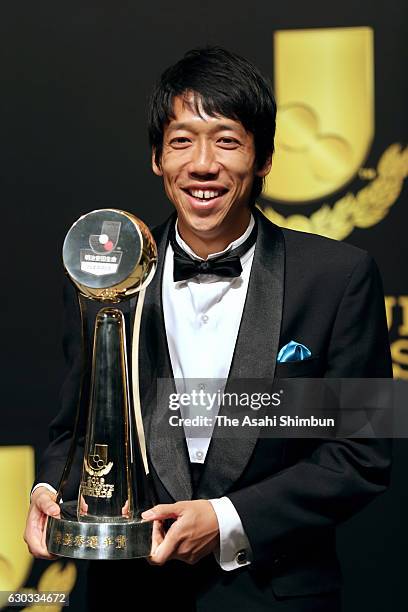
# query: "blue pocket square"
{"points": [[293, 351]]}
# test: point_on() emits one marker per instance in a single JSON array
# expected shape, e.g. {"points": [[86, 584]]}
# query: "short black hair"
{"points": [[227, 85]]}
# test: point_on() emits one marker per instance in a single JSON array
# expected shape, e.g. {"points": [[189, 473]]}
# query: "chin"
{"points": [[203, 227], [204, 224]]}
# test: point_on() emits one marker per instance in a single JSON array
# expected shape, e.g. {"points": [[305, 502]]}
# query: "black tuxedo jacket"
{"points": [[290, 493]]}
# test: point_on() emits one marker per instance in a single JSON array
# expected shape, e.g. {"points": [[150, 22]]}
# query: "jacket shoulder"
{"points": [[324, 253]]}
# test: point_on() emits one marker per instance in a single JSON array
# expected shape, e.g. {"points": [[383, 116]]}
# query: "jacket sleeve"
{"points": [[305, 500], [61, 427]]}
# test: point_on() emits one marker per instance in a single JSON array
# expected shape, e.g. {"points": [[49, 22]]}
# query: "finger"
{"points": [[158, 535], [162, 512], [125, 509], [44, 541], [167, 548], [35, 534], [83, 505]]}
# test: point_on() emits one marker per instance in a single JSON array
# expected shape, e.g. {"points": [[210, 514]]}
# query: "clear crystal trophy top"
{"points": [[110, 256]]}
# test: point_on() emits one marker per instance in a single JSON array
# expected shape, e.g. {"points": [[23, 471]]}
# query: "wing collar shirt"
{"points": [[202, 317]]}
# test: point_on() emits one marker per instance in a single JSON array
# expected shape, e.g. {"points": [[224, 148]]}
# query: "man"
{"points": [[253, 523]]}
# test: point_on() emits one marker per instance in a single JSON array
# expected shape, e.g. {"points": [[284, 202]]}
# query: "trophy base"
{"points": [[110, 539]]}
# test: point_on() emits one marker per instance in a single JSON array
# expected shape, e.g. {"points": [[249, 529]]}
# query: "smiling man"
{"points": [[248, 524], [208, 164]]}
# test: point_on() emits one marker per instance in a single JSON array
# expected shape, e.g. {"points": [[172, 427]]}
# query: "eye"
{"points": [[180, 142], [226, 142]]}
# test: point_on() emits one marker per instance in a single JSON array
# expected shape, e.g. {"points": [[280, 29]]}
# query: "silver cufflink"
{"points": [[241, 557]]}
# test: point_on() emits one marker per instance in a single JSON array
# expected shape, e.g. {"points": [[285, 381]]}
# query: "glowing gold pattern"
{"points": [[364, 209], [327, 157], [397, 319], [56, 578], [16, 477], [324, 88]]}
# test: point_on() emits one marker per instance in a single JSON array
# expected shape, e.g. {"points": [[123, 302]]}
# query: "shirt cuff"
{"points": [[234, 551]]}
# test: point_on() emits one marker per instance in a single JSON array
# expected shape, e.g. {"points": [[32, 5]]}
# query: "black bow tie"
{"points": [[227, 265]]}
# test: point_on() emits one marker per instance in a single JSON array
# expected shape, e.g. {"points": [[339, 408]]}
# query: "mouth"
{"points": [[205, 196]]}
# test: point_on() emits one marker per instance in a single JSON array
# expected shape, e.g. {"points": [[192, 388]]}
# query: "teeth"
{"points": [[204, 195]]}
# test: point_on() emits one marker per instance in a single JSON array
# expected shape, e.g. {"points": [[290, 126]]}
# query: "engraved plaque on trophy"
{"points": [[110, 256]]}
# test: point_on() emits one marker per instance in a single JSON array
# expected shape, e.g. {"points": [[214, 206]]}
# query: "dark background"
{"points": [[75, 83]]}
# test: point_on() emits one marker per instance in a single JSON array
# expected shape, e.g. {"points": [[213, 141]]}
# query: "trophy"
{"points": [[110, 256]]}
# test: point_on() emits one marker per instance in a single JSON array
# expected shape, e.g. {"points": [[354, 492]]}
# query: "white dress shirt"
{"points": [[202, 317]]}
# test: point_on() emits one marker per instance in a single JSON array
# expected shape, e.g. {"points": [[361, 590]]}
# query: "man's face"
{"points": [[208, 168]]}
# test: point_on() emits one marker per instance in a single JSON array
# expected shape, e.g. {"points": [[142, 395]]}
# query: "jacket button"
{"points": [[241, 557]]}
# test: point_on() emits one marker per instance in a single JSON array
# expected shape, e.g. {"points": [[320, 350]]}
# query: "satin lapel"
{"points": [[166, 450], [254, 356]]}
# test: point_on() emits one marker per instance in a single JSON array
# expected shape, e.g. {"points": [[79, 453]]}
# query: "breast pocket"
{"points": [[313, 367]]}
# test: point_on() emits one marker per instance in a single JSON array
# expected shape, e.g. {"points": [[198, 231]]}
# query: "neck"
{"points": [[213, 241]]}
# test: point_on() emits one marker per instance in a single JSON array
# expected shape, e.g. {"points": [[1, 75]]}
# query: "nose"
{"points": [[203, 160]]}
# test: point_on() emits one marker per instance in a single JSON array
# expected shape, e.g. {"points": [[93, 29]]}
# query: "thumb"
{"points": [[48, 506], [162, 512]]}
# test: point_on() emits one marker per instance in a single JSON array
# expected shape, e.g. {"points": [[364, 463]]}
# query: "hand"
{"points": [[42, 506], [83, 506], [125, 509], [193, 535]]}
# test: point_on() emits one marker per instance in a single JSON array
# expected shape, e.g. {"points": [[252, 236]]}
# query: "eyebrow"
{"points": [[189, 127]]}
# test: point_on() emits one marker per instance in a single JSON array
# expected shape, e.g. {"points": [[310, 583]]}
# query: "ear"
{"points": [[265, 168], [156, 167]]}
